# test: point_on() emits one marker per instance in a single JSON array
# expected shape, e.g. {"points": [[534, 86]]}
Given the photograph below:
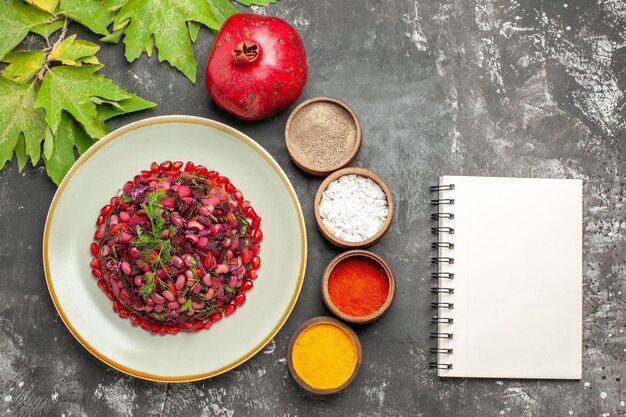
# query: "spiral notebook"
{"points": [[508, 269]]}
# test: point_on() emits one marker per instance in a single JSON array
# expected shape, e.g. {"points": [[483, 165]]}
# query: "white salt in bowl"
{"points": [[327, 233]]}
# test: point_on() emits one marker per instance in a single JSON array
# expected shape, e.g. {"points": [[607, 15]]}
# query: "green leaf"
{"points": [[48, 143], [255, 2], [47, 29], [19, 116], [115, 36], [71, 89], [47, 5], [20, 153], [96, 15], [69, 135], [129, 105], [24, 65], [222, 9], [16, 20], [194, 29], [166, 21], [71, 51], [98, 100]]}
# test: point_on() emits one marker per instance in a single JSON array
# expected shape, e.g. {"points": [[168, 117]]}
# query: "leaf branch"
{"points": [[46, 65]]}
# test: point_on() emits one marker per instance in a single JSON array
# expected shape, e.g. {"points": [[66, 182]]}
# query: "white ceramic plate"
{"points": [[97, 176]]}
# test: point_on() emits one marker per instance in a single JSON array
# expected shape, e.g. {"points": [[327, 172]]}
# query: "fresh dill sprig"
{"points": [[186, 306], [152, 208], [148, 285], [155, 250]]}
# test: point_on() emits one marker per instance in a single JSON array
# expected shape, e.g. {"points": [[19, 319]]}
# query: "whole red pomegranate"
{"points": [[256, 66]]}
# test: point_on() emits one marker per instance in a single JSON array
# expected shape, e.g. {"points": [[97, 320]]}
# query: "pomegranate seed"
{"points": [[177, 165], [258, 235], [145, 174], [240, 299], [154, 167], [124, 313], [189, 166], [256, 262], [96, 273], [251, 274], [212, 174], [255, 249], [230, 188], [95, 262], [222, 180], [164, 330], [173, 329], [247, 285], [134, 319], [94, 249], [230, 309], [105, 210], [114, 201], [99, 220], [202, 170], [128, 185], [110, 295], [256, 222], [198, 326], [238, 196], [102, 285], [208, 324], [215, 316], [251, 213], [166, 165], [172, 174], [155, 328], [145, 324], [244, 205], [207, 261], [136, 178]]}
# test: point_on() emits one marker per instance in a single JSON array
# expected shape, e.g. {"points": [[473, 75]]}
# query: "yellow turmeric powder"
{"points": [[324, 356]]}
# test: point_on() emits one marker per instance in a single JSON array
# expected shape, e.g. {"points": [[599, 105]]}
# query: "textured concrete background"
{"points": [[455, 87]]}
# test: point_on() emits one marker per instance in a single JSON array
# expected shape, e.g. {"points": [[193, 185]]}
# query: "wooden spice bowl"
{"points": [[347, 317], [312, 322], [322, 135], [318, 197]]}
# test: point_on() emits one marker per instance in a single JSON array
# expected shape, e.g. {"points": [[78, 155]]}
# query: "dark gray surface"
{"points": [[461, 87]]}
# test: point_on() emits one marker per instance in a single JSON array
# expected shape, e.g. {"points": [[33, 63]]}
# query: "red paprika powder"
{"points": [[358, 286]]}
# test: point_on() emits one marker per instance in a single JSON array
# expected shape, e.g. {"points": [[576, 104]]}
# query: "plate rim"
{"points": [[150, 122]]}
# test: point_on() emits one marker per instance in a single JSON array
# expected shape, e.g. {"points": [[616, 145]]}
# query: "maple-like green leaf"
{"points": [[129, 105], [61, 157], [24, 65], [19, 117], [222, 9], [255, 2], [47, 5], [164, 22], [194, 29], [47, 29], [97, 15], [71, 89], [115, 36], [71, 51], [16, 20], [20, 153]]}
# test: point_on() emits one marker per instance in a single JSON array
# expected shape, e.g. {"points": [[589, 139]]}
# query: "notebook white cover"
{"points": [[517, 278]]}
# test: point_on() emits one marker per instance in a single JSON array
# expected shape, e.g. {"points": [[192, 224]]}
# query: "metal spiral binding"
{"points": [[437, 216], [438, 275], [437, 245]]}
